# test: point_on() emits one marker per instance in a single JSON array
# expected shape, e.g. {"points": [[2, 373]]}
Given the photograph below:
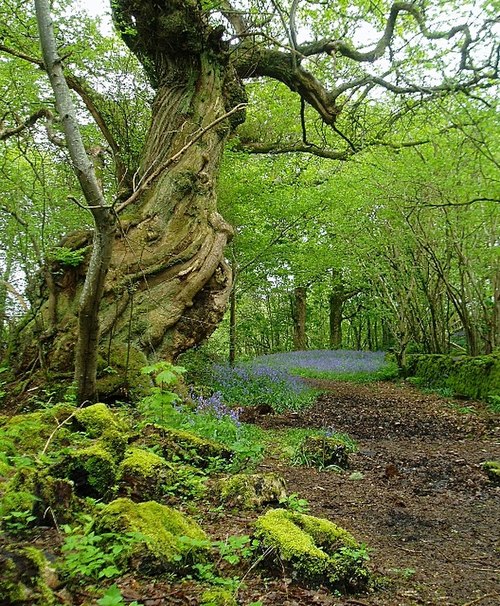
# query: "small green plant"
{"points": [[236, 548], [18, 522], [66, 256], [158, 405], [294, 503], [187, 484], [113, 597], [494, 404], [463, 410], [356, 475], [88, 555]]}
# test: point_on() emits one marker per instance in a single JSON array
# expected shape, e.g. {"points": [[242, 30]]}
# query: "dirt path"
{"points": [[420, 501]]}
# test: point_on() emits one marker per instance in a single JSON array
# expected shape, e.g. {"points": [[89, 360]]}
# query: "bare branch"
{"points": [[278, 148], [26, 124]]}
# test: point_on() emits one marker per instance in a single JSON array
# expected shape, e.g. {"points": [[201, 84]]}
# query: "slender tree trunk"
{"points": [[232, 326], [104, 217], [299, 318], [336, 301]]}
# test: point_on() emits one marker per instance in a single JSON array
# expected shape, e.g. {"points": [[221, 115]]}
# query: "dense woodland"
{"points": [[358, 186], [200, 199]]}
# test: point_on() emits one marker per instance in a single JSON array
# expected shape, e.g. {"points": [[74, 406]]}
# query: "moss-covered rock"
{"points": [[492, 469], [470, 376], [97, 419], [92, 470], [323, 451], [25, 577], [115, 442], [314, 550], [169, 539], [119, 375], [50, 500], [142, 475], [252, 491], [217, 597], [175, 444]]}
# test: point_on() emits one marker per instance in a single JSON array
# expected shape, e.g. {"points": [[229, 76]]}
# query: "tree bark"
{"points": [[232, 327], [104, 217], [299, 318]]}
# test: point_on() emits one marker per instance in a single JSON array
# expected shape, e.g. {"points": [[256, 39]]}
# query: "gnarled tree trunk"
{"points": [[168, 283]]}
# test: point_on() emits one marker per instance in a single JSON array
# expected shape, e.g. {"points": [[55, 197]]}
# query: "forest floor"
{"points": [[414, 492], [421, 501]]}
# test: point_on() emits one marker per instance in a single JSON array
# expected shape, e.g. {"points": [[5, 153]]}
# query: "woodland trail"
{"points": [[420, 499]]}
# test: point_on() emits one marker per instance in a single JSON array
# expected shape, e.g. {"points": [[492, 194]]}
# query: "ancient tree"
{"points": [[168, 282]]}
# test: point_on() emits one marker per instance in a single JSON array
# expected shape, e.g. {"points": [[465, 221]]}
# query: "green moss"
{"points": [[119, 375], [217, 597], [45, 497], [28, 432], [115, 442], [92, 469], [16, 501], [143, 475], [314, 550], [492, 469], [182, 445], [163, 529], [473, 377], [98, 418], [252, 490], [24, 577], [58, 413]]}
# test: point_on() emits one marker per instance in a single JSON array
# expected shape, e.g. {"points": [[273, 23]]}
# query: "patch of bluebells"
{"points": [[259, 384], [335, 361], [214, 405]]}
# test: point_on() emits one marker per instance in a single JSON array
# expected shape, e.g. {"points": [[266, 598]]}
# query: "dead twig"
{"points": [[481, 598]]}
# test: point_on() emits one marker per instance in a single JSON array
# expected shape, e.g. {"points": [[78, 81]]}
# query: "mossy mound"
{"points": [[492, 469], [96, 419], [470, 376], [252, 491], [48, 499], [119, 375], [176, 444], [142, 475], [314, 550], [323, 451], [92, 470], [26, 433], [217, 597], [25, 577], [170, 539]]}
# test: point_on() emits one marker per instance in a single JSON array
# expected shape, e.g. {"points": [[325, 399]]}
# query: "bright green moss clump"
{"points": [[92, 470], [183, 445], [252, 490], [143, 475], [314, 550], [170, 538], [96, 419], [217, 597], [474, 377], [25, 577]]}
